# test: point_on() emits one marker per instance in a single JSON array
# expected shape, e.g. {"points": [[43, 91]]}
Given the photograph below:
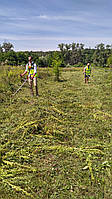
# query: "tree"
{"points": [[43, 61], [109, 61], [62, 49], [67, 54], [77, 53], [61, 46], [56, 63], [99, 56], [108, 51], [22, 58], [88, 55], [7, 46], [1, 50], [11, 58]]}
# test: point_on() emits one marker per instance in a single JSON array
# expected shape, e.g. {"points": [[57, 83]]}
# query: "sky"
{"points": [[36, 25]]}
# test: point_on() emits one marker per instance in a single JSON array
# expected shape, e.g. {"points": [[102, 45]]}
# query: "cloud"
{"points": [[59, 17], [7, 12], [18, 18], [81, 17], [34, 21], [55, 38]]}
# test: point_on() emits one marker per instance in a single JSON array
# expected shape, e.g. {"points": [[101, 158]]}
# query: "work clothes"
{"points": [[31, 68], [34, 81], [87, 70]]}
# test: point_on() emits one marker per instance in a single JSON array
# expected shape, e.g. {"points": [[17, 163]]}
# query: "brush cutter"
{"points": [[20, 86]]}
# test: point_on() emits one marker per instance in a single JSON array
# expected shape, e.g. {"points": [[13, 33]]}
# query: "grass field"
{"points": [[59, 145]]}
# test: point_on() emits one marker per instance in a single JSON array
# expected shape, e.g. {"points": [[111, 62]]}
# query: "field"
{"points": [[59, 145]]}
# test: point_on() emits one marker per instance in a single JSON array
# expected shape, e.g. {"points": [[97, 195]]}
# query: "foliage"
{"points": [[7, 46], [43, 61], [70, 54], [56, 63], [109, 61], [75, 53]]}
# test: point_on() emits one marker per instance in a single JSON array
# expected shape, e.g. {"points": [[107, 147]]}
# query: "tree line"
{"points": [[74, 54]]}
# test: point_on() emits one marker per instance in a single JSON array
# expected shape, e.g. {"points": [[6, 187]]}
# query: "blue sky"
{"points": [[43, 24]]}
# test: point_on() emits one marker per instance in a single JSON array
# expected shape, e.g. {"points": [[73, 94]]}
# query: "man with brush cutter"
{"points": [[31, 69]]}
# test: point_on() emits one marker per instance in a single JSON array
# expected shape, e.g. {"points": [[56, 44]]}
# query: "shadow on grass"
{"points": [[62, 80]]}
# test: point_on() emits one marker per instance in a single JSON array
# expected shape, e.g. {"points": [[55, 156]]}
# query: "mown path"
{"points": [[58, 146]]}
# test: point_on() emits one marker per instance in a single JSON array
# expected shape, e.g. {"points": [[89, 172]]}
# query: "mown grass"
{"points": [[59, 145]]}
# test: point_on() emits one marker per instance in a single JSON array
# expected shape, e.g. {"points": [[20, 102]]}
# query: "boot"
{"points": [[36, 89]]}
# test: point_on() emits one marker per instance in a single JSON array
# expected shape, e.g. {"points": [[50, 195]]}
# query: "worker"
{"points": [[87, 72], [31, 70]]}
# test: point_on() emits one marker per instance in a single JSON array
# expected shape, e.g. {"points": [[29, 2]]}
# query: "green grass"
{"points": [[59, 145]]}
